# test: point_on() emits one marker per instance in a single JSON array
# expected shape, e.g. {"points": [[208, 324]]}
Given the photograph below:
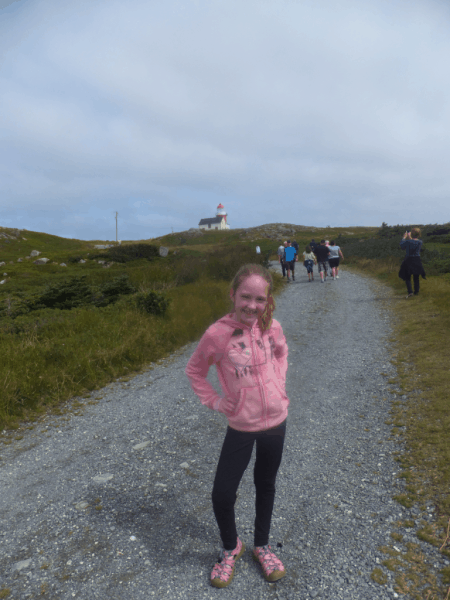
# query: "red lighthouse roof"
{"points": [[221, 205]]}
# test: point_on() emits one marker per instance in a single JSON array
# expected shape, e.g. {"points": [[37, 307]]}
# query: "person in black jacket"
{"points": [[412, 264], [322, 253]]}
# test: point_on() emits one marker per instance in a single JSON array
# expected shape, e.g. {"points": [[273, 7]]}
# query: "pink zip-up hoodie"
{"points": [[251, 366]]}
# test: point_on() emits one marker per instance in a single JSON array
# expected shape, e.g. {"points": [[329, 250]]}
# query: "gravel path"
{"points": [[114, 503]]}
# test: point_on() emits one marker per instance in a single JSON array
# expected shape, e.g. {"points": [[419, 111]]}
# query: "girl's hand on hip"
{"points": [[227, 406]]}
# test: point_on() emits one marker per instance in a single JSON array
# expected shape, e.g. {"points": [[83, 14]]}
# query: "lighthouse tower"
{"points": [[221, 212]]}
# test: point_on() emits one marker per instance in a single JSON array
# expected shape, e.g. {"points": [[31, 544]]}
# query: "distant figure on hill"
{"points": [[333, 261], [412, 264], [309, 260], [322, 253], [280, 253], [290, 256]]}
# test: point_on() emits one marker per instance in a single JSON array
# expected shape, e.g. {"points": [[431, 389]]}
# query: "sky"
{"points": [[312, 112]]}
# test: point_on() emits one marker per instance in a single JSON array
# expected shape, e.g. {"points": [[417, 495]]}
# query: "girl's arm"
{"points": [[206, 354]]}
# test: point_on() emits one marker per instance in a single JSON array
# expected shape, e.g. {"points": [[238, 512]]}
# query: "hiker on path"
{"points": [[290, 256], [309, 260], [322, 253], [333, 261], [412, 264], [280, 253], [249, 351]]}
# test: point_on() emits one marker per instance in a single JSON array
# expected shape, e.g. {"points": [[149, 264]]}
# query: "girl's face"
{"points": [[250, 299]]}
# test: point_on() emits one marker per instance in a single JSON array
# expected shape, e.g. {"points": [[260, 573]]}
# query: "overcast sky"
{"points": [[312, 112]]}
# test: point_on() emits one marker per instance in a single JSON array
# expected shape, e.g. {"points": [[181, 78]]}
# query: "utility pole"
{"points": [[116, 225]]}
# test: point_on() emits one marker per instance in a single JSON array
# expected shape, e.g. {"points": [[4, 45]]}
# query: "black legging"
{"points": [[234, 458], [416, 284]]}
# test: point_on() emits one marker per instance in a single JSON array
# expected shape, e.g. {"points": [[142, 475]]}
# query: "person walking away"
{"points": [[335, 256], [280, 253], [295, 245], [249, 351], [322, 253], [290, 257], [309, 260], [313, 244], [412, 264]]}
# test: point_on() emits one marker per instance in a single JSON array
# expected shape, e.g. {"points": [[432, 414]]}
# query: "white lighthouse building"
{"points": [[217, 222]]}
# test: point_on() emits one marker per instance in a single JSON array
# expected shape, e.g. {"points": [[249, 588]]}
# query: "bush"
{"points": [[74, 259], [112, 290], [65, 295], [123, 254], [374, 248], [152, 303], [15, 306]]}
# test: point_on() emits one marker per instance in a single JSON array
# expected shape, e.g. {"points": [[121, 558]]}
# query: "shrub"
{"points": [[112, 290], [14, 306], [152, 303], [74, 259], [65, 295], [123, 254]]}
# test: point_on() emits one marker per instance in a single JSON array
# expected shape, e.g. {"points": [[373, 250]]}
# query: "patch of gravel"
{"points": [[115, 502]]}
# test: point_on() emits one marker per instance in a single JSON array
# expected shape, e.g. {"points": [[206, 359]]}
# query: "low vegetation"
{"points": [[67, 330]]}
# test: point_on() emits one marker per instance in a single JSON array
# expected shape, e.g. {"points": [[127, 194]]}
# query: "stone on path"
{"points": [[103, 478], [141, 446], [23, 564]]}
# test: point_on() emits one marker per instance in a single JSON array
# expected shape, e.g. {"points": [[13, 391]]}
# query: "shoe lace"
{"points": [[269, 559], [224, 565]]}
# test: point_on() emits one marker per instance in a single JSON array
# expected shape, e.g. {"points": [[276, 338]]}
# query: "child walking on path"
{"points": [[309, 260], [249, 351]]}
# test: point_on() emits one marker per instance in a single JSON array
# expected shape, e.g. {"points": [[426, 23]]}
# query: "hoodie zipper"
{"points": [[261, 384]]}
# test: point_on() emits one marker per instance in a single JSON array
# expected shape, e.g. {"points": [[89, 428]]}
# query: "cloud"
{"points": [[308, 108]]}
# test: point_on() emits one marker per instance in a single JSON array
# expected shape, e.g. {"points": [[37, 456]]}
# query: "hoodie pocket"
{"points": [[275, 398], [249, 408]]}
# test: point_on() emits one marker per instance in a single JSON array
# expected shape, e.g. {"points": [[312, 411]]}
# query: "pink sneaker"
{"points": [[223, 571], [272, 566]]}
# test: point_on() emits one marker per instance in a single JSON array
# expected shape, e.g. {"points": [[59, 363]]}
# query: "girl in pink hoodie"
{"points": [[249, 351]]}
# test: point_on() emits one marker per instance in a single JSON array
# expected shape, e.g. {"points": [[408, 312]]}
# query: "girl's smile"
{"points": [[250, 299]]}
